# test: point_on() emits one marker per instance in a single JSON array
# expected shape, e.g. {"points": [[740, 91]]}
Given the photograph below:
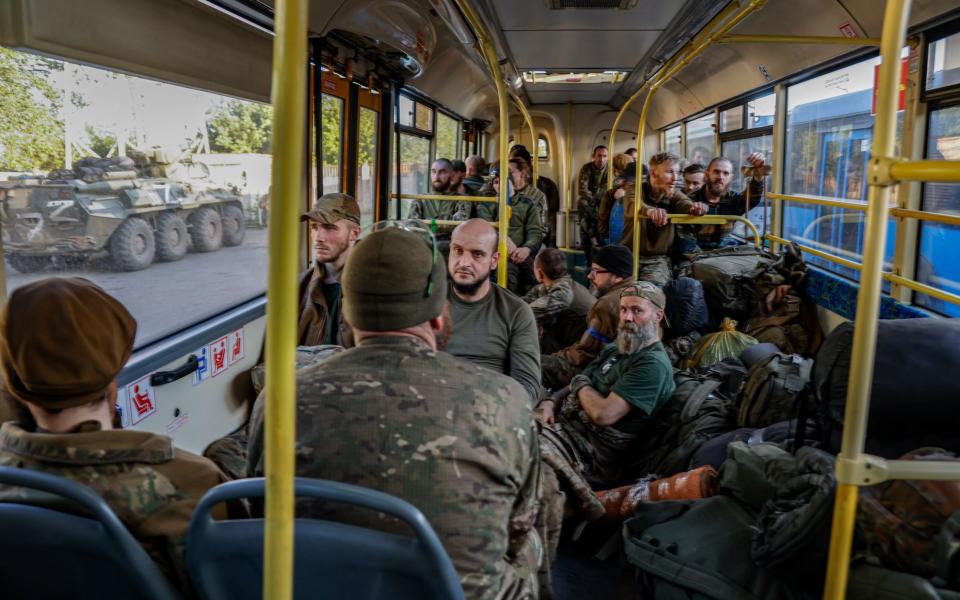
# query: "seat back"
{"points": [[332, 560], [48, 553]]}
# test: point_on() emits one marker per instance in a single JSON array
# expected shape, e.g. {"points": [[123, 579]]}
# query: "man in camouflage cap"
{"points": [[607, 407], [397, 415], [334, 229], [62, 344]]}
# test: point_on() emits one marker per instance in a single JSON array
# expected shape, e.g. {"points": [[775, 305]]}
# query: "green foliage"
{"points": [[31, 132], [100, 142], [239, 127]]}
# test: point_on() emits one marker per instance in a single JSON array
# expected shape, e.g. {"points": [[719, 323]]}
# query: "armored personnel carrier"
{"points": [[136, 210]]}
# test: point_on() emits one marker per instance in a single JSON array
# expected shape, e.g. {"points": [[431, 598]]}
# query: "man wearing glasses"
{"points": [[398, 415], [609, 274]]}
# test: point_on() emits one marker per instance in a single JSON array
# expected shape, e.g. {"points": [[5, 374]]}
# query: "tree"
{"points": [[101, 142], [239, 127], [31, 132]]}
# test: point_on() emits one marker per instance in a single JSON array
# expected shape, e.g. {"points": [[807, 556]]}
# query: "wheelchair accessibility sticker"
{"points": [[141, 400]]}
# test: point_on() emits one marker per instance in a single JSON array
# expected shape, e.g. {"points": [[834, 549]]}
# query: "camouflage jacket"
{"points": [[564, 295], [526, 228], [591, 184], [445, 435], [602, 322], [152, 486], [731, 203], [441, 210], [540, 199]]}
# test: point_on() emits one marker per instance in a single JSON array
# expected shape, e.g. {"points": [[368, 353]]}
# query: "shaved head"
{"points": [[476, 233]]}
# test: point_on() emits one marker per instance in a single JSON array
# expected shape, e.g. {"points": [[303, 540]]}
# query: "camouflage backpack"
{"points": [[901, 520], [774, 389]]}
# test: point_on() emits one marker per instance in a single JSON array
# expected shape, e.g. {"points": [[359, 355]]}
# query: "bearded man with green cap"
{"points": [[62, 344], [398, 415], [607, 407]]}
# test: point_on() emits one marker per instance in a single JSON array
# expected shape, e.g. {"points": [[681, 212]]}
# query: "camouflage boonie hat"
{"points": [[649, 291], [330, 208]]}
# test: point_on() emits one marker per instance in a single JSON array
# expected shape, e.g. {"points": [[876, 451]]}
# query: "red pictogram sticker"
{"points": [[218, 355], [142, 400], [236, 346]]}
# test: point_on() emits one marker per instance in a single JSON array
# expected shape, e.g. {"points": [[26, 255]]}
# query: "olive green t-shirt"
{"points": [[644, 379]]}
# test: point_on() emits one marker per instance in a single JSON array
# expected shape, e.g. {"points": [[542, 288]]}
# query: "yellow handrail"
{"points": [[490, 56], [868, 302], [799, 39], [289, 88], [945, 171], [442, 198], [535, 167], [820, 200], [824, 255], [715, 220], [734, 20], [921, 215]]}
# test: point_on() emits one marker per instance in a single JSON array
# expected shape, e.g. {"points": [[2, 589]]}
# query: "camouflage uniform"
{"points": [[315, 327], [151, 486], [540, 199], [591, 185], [602, 322], [656, 243], [561, 312], [525, 229], [441, 210], [445, 435], [694, 238]]}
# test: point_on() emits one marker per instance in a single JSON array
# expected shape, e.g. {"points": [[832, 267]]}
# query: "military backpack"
{"points": [[774, 390]]}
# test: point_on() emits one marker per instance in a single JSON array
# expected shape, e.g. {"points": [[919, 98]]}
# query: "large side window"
{"points": [[367, 149], [332, 119], [671, 140], [700, 138], [155, 192], [414, 168], [829, 130], [448, 137]]}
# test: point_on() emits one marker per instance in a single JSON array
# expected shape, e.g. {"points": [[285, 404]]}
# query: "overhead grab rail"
{"points": [[853, 467], [289, 88], [444, 198], [485, 47], [797, 39]]}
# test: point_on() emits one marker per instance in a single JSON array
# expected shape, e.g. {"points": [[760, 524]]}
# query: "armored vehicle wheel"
{"points": [[234, 226], [206, 230], [28, 264], [132, 246], [172, 237]]}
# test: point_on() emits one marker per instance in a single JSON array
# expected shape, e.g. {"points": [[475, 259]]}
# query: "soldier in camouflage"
{"points": [[606, 408], [591, 185], [62, 344], [395, 414], [441, 176], [560, 304]]}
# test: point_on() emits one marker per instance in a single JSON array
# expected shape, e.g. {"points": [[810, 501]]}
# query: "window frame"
{"points": [[942, 94]]}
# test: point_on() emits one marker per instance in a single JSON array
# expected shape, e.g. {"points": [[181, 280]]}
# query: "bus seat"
{"points": [[48, 553], [332, 560]]}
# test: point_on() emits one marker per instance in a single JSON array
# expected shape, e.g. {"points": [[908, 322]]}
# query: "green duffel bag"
{"points": [[730, 278], [697, 550]]}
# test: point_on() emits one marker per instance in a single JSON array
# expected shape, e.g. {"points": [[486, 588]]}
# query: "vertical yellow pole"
{"points": [[289, 88], [533, 136], [868, 298], [638, 188], [776, 179]]}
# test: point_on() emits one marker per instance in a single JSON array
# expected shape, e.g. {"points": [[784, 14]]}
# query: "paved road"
{"points": [[167, 297]]}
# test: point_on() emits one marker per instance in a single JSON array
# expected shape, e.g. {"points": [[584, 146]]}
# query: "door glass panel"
{"points": [[367, 164], [331, 123], [414, 169]]}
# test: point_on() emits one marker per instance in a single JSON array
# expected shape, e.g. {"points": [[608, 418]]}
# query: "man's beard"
{"points": [[443, 186], [632, 337], [471, 288], [330, 253], [718, 189], [597, 291]]}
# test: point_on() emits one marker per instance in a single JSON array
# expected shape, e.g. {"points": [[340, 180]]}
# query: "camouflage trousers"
{"points": [[556, 372], [655, 269], [230, 453]]}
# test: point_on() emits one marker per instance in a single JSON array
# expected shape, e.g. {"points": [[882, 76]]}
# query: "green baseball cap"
{"points": [[649, 291], [330, 208]]}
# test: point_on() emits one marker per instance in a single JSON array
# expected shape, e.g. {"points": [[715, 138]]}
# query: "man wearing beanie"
{"points": [[397, 415], [62, 344], [334, 229], [609, 274]]}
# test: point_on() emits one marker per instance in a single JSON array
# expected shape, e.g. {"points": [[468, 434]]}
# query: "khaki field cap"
{"points": [[645, 289], [393, 279], [62, 342], [330, 208]]}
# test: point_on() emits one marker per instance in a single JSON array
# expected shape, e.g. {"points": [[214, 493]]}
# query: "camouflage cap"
{"points": [[393, 279], [330, 208], [62, 342], [648, 291]]}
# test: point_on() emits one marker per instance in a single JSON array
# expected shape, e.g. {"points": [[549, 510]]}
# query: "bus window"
{"points": [[448, 135], [414, 168], [829, 129], [543, 148], [153, 191], [738, 151], [671, 140], [937, 265], [367, 165], [700, 137], [943, 62], [332, 119], [760, 111], [731, 119]]}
